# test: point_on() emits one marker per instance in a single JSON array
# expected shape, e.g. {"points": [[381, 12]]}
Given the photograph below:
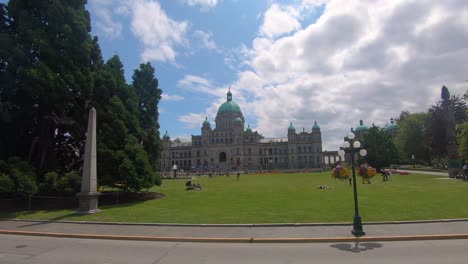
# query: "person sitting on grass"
{"points": [[324, 187]]}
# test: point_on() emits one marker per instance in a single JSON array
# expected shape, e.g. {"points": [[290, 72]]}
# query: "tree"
{"points": [[463, 140], [436, 127], [124, 162], [463, 133], [135, 172], [411, 138], [51, 74], [146, 87], [381, 151], [403, 115], [51, 61]]}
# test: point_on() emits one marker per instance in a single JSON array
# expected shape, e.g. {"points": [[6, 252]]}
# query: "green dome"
{"points": [[315, 126], [392, 126], [166, 135], [291, 127], [206, 122], [248, 129], [361, 127], [238, 119], [229, 106]]}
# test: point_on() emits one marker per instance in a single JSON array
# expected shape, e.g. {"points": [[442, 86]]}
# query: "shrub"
{"points": [[20, 173], [70, 183], [49, 185], [6, 184]]}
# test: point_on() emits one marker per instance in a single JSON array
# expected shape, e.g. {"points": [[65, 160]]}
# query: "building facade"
{"points": [[229, 147]]}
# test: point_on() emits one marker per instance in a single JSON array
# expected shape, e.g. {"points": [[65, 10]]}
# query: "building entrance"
{"points": [[222, 160]]}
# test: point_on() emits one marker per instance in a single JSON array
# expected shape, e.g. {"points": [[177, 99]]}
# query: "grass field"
{"points": [[286, 198]]}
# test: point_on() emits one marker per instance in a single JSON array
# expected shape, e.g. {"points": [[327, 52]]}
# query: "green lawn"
{"points": [[286, 198]]}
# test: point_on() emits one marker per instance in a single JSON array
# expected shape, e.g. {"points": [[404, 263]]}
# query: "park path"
{"points": [[418, 228], [426, 172]]}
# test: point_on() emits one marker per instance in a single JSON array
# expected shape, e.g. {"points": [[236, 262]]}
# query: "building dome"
{"points": [[206, 122], [315, 126], [229, 106], [166, 135], [392, 126], [291, 127], [248, 129], [238, 120], [361, 127]]}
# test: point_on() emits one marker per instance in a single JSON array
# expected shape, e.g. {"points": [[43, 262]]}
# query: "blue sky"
{"points": [[300, 61]]}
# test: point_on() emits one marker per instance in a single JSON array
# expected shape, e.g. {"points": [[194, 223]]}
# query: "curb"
{"points": [[241, 225], [240, 240]]}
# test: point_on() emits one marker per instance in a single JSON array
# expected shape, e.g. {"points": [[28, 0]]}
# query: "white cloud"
{"points": [[360, 60], [204, 4], [206, 39], [199, 84], [278, 21], [192, 120], [168, 97], [194, 80], [105, 22], [158, 33]]}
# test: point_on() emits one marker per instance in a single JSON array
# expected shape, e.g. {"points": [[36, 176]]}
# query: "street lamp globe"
{"points": [[357, 144], [346, 144], [363, 152], [341, 153], [351, 135]]}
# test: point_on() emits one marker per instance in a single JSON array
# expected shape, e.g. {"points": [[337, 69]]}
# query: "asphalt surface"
{"points": [[47, 250]]}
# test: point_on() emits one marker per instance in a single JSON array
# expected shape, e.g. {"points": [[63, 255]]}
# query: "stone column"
{"points": [[88, 197]]}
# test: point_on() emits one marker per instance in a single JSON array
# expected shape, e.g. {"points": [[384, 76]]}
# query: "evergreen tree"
{"points": [[52, 79], [51, 74], [124, 162], [463, 133], [146, 86], [436, 127]]}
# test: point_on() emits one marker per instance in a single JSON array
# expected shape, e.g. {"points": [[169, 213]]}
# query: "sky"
{"points": [[335, 62]]}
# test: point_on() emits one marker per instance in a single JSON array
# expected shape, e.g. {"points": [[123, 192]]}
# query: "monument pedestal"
{"points": [[88, 203], [454, 163]]}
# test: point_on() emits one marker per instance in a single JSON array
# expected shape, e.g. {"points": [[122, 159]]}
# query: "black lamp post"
{"points": [[354, 147]]}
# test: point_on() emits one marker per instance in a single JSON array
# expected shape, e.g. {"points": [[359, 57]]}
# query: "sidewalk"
{"points": [[422, 230], [425, 172]]}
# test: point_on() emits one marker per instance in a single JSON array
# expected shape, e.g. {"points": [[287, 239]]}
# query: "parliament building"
{"points": [[228, 146]]}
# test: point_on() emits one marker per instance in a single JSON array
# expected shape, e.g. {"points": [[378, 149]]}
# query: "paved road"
{"points": [[42, 250]]}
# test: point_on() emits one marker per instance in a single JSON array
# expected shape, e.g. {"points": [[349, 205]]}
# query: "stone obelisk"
{"points": [[88, 196]]}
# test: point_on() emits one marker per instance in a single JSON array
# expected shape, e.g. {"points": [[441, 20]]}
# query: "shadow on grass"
{"points": [[8, 215], [358, 247]]}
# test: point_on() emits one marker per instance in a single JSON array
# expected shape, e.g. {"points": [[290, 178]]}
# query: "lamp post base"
{"points": [[357, 227]]}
